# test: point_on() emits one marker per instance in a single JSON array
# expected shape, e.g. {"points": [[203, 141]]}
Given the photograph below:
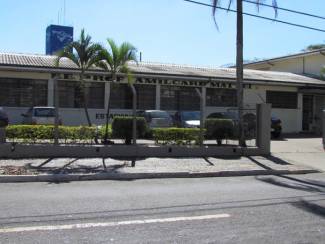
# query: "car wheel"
{"points": [[276, 134]]}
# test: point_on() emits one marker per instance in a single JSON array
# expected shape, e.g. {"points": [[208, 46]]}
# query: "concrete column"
{"points": [[204, 98], [299, 112], [50, 92], [263, 139], [107, 94], [158, 96]]}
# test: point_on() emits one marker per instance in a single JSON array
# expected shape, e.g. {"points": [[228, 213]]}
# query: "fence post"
{"points": [[2, 135], [56, 110], [202, 95], [263, 139], [134, 113], [324, 129]]}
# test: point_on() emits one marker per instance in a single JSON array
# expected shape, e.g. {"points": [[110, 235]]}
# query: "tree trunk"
{"points": [[239, 71], [85, 98]]}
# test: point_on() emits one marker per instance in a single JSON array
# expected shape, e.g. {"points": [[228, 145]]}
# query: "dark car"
{"points": [[250, 121], [156, 118], [4, 120], [276, 127], [187, 119]]}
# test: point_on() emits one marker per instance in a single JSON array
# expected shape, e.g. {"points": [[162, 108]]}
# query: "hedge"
{"points": [[122, 127], [178, 136], [219, 128], [46, 132]]}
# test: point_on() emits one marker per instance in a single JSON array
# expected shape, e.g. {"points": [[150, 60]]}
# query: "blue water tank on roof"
{"points": [[57, 37]]}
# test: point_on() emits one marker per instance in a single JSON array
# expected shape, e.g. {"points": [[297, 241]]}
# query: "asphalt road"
{"points": [[266, 209]]}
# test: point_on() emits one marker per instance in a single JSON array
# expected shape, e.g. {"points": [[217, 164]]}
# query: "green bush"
{"points": [[219, 129], [46, 132], [122, 127], [178, 136]]}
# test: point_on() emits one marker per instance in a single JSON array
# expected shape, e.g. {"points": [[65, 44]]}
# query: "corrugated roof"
{"points": [[46, 61]]}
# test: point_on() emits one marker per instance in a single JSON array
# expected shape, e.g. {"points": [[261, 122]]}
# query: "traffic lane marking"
{"points": [[110, 224]]}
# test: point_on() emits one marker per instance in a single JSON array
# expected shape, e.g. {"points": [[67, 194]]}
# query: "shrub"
{"points": [[45, 132], [178, 136], [219, 129], [122, 127]]}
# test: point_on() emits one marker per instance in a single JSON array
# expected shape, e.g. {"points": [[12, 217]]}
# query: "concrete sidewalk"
{"points": [[70, 169]]}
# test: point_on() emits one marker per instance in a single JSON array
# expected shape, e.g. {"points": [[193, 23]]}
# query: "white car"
{"points": [[40, 116]]}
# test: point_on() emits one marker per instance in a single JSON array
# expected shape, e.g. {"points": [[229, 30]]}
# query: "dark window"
{"points": [[146, 96], [71, 94], [179, 98], [23, 92], [168, 97], [221, 97], [121, 96], [280, 99]]}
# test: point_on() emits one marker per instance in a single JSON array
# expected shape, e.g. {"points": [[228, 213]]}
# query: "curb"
{"points": [[137, 176]]}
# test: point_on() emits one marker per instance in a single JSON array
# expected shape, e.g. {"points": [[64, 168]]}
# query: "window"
{"points": [[280, 99], [179, 98], [220, 97], [71, 94], [22, 92], [121, 96], [146, 96]]}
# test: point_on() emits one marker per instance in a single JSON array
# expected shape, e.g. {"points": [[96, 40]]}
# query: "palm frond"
{"points": [[215, 4], [67, 52], [115, 52]]}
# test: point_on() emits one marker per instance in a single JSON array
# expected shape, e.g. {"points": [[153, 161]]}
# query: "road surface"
{"points": [[265, 209]]}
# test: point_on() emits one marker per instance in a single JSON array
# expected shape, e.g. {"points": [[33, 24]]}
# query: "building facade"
{"points": [[311, 64], [28, 80]]}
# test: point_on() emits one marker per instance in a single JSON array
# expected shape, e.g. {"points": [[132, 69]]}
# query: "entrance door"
{"points": [[307, 112]]}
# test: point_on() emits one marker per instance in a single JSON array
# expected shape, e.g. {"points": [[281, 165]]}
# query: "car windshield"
{"points": [[44, 112], [192, 115], [159, 114]]}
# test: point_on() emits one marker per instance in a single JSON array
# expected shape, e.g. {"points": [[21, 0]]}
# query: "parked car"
{"points": [[187, 119], [40, 116], [4, 120], [156, 118], [250, 121]]}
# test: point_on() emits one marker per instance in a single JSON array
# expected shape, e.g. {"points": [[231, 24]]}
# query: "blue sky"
{"points": [[169, 31]]}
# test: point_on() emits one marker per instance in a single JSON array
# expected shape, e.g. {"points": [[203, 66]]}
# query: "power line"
{"points": [[258, 16], [286, 9]]}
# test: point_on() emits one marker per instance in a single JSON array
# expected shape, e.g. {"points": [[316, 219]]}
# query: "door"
{"points": [[307, 112]]}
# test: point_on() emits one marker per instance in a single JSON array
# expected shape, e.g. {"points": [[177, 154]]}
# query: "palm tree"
{"points": [[115, 60], [239, 58], [84, 54]]}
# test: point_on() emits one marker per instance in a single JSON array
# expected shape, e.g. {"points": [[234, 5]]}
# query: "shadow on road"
{"points": [[310, 206], [294, 183]]}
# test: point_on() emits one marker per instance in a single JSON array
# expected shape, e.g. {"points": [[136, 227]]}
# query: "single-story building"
{"points": [[27, 80]]}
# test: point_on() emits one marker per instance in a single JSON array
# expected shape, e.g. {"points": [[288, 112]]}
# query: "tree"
{"points": [[84, 54], [314, 47], [239, 58], [115, 60]]}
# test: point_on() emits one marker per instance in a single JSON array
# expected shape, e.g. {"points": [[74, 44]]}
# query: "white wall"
{"points": [[309, 65]]}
